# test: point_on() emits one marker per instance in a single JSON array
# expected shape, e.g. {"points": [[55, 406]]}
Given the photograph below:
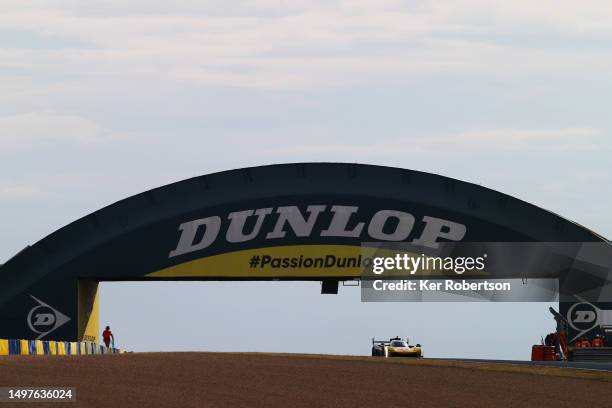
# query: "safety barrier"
{"points": [[592, 354], [63, 348]]}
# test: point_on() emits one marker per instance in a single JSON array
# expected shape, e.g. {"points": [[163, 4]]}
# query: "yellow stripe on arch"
{"points": [[237, 264]]}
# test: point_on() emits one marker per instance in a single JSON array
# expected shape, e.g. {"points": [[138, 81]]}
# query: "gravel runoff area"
{"points": [[286, 380]]}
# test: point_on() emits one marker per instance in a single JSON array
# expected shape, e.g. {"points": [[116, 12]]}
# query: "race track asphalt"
{"points": [[309, 381], [582, 365]]}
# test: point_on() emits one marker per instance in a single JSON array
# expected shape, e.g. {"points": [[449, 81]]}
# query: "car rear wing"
{"points": [[383, 342]]}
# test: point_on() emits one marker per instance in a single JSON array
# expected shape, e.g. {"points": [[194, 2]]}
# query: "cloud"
{"points": [[304, 45], [20, 192], [492, 140], [564, 139], [40, 128]]}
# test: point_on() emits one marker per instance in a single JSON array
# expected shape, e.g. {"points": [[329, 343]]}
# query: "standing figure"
{"points": [[107, 336]]}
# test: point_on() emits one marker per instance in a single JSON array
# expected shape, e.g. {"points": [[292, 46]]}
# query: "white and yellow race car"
{"points": [[395, 347]]}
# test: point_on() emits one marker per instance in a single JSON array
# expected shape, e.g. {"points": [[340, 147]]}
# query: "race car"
{"points": [[395, 347]]}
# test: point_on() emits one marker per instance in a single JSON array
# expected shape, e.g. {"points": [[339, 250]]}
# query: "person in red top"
{"points": [[597, 341], [107, 336]]}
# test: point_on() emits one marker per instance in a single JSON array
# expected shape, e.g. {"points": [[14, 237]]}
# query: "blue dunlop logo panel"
{"points": [[43, 319]]}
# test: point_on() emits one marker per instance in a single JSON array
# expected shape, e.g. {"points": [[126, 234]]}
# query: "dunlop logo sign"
{"points": [[345, 222]]}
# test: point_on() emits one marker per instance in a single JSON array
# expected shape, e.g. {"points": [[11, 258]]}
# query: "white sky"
{"points": [[105, 99]]}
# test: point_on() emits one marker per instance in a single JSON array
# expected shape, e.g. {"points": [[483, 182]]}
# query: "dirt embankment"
{"points": [[262, 380]]}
